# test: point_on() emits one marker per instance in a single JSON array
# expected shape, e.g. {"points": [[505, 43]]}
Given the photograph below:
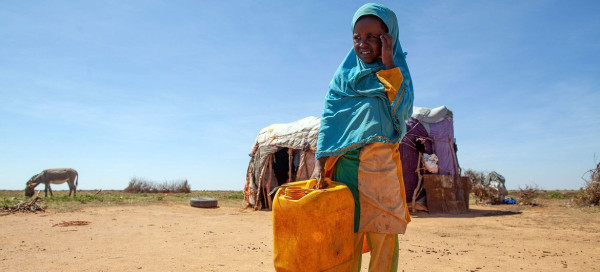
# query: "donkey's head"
{"points": [[31, 184]]}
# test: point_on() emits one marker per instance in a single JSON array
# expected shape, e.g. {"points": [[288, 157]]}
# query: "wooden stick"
{"points": [[257, 202], [290, 164], [414, 200], [454, 159]]}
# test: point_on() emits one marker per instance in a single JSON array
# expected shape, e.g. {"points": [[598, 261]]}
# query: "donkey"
{"points": [[54, 176]]}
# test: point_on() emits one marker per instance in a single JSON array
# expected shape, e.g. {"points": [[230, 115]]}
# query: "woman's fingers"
{"points": [[386, 40], [387, 51]]}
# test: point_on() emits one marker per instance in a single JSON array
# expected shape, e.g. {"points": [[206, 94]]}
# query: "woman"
{"points": [[362, 124]]}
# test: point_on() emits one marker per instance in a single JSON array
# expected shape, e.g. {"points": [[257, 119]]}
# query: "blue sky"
{"points": [[170, 90]]}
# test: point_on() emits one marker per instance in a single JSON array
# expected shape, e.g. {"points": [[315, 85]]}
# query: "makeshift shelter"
{"points": [[281, 153], [496, 183], [431, 132]]}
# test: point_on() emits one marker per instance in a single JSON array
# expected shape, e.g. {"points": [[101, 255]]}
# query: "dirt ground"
{"points": [[177, 237]]}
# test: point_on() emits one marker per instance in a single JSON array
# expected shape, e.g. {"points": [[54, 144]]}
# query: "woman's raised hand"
{"points": [[387, 50]]}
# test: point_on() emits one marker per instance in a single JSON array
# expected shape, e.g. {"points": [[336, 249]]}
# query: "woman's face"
{"points": [[366, 36]]}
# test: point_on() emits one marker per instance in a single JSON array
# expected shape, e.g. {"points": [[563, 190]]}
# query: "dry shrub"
{"points": [[24, 206], [139, 185], [528, 195], [590, 195], [482, 193], [474, 176]]}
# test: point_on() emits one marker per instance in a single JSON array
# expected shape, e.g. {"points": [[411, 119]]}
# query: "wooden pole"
{"points": [[270, 172], [420, 177], [290, 164]]}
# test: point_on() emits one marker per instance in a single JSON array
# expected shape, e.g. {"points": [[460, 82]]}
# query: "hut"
{"points": [[281, 153], [430, 165]]}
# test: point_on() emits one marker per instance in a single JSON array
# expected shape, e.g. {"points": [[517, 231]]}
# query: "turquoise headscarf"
{"points": [[357, 110]]}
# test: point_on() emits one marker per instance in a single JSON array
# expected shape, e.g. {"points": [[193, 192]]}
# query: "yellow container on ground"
{"points": [[315, 232]]}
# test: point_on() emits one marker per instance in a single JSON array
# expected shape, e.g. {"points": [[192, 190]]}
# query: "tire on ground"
{"points": [[203, 202]]}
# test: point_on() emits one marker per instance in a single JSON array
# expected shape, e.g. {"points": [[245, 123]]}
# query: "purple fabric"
{"points": [[443, 136], [410, 156]]}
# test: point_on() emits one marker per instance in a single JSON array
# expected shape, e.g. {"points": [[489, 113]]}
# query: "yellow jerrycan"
{"points": [[313, 229]]}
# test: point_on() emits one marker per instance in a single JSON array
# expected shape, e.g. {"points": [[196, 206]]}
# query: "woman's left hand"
{"points": [[387, 51]]}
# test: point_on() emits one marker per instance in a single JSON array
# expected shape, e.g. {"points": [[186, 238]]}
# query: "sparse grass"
{"points": [[63, 203], [555, 195], [10, 198]]}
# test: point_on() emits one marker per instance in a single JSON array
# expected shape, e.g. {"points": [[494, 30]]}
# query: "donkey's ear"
{"points": [[31, 185]]}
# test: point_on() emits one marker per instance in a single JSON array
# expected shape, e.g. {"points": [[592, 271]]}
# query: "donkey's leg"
{"points": [[50, 189], [71, 185], [74, 190]]}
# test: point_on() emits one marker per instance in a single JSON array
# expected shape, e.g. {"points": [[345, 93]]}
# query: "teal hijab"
{"points": [[357, 110]]}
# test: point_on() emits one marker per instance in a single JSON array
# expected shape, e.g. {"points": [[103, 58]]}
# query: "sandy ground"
{"points": [[177, 237]]}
